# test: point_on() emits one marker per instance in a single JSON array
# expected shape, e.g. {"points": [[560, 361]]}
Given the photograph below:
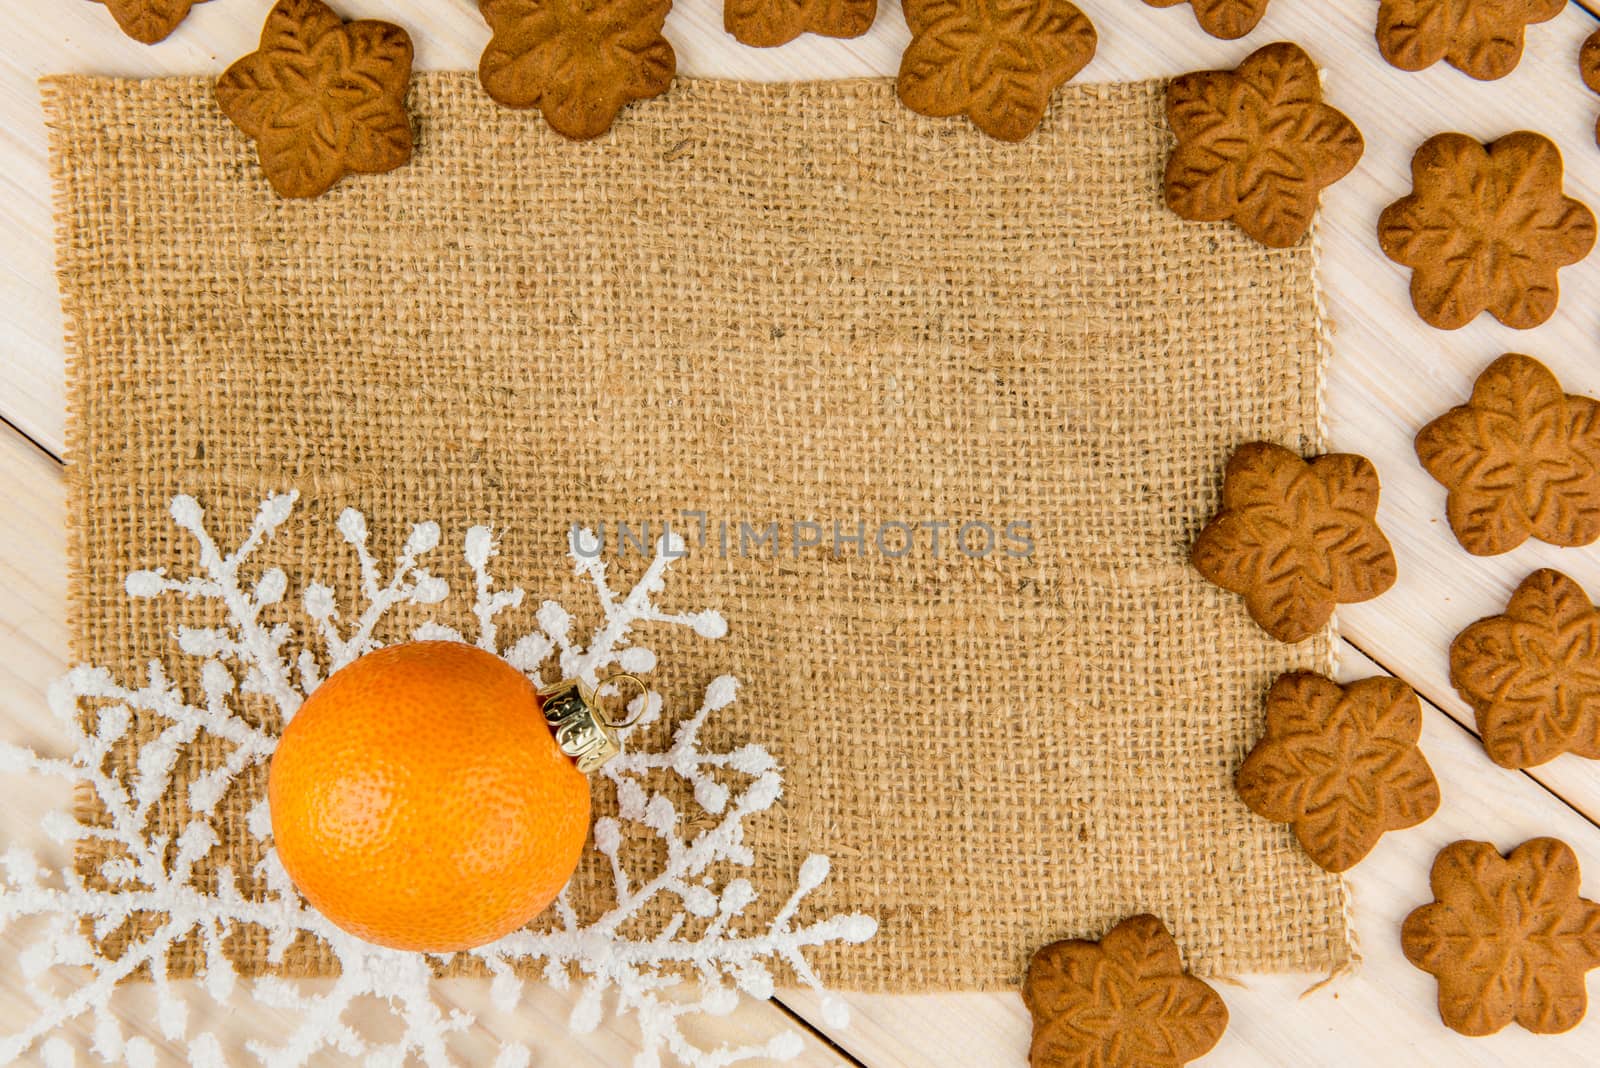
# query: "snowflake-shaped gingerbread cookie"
{"points": [[577, 61], [1481, 38], [1486, 228], [994, 61], [1508, 938], [321, 97], [1295, 538], [1122, 1001], [1341, 764], [1521, 459], [1256, 145], [768, 23], [1532, 673], [1226, 19], [149, 21]]}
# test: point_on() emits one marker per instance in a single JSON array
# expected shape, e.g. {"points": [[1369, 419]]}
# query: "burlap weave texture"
{"points": [[765, 303]]}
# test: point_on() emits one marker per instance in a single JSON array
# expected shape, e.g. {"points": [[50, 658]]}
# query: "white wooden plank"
{"points": [[1385, 1014], [33, 643], [1391, 373]]}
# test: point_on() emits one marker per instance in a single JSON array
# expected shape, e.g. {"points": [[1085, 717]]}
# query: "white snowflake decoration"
{"points": [[641, 976]]}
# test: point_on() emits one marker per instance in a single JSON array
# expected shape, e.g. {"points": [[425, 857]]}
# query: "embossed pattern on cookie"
{"points": [[1521, 459], [322, 98], [769, 23], [1256, 145], [1485, 228], [994, 61], [149, 21], [1227, 19], [1508, 938], [1589, 68], [1296, 538], [1340, 764], [1122, 1001], [578, 61], [1481, 38], [1532, 673]]}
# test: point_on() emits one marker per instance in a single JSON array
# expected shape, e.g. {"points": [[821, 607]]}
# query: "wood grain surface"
{"points": [[1390, 374]]}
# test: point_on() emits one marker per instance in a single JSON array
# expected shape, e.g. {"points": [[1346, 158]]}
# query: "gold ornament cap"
{"points": [[582, 729]]}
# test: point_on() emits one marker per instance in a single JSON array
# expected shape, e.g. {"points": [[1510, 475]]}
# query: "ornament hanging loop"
{"points": [[643, 695], [582, 728]]}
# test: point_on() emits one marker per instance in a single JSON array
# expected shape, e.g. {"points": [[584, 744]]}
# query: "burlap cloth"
{"points": [[767, 303]]}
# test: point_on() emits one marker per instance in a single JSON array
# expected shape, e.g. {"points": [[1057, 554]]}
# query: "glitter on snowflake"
{"points": [[708, 936]]}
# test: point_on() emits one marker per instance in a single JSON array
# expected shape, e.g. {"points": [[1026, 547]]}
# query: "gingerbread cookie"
{"points": [[994, 61], [768, 23], [1485, 229], [1256, 145], [1482, 38], [1121, 1002], [1296, 538], [1226, 19], [1508, 938], [1589, 68], [577, 62], [1341, 764], [149, 21], [1521, 459], [1532, 674], [322, 98]]}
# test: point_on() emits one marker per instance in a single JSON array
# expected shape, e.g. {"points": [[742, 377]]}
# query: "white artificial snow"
{"points": [[621, 969]]}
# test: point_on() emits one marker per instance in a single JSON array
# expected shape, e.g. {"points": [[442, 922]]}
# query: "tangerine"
{"points": [[419, 799]]}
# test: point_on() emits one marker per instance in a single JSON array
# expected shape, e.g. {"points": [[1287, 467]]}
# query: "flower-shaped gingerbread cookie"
{"points": [[994, 61], [1256, 145], [768, 23], [577, 61], [1482, 38], [1508, 938], [322, 98], [1226, 19], [149, 21], [1485, 229], [1532, 674], [1296, 538], [1119, 1002], [1589, 68], [1521, 459], [1341, 764]]}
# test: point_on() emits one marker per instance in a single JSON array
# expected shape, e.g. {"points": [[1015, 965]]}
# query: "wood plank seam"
{"points": [[821, 1036], [1354, 352], [35, 442]]}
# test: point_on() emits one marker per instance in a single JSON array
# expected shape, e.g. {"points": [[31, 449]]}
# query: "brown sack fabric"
{"points": [[770, 304]]}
